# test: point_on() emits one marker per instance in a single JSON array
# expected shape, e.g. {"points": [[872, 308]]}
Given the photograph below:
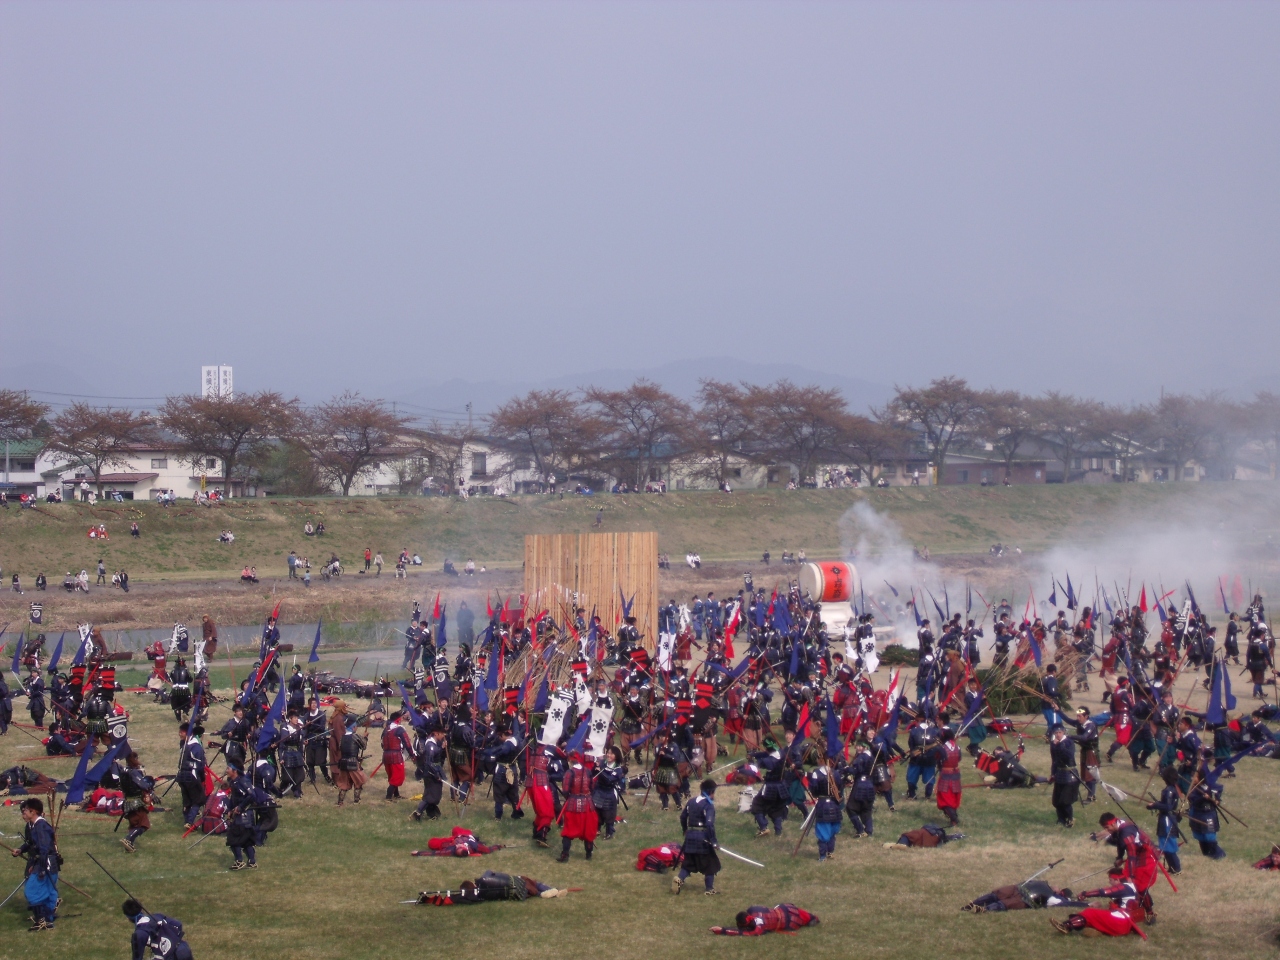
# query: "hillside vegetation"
{"points": [[181, 542]]}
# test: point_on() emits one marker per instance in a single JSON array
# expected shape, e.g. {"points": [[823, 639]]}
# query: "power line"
{"points": [[88, 396]]}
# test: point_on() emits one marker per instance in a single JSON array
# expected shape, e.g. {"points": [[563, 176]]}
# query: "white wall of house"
{"points": [[150, 473]]}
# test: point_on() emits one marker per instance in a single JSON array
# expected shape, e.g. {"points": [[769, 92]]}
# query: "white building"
{"points": [[148, 472]]}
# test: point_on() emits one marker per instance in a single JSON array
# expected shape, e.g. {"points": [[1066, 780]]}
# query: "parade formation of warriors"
{"points": [[560, 720]]}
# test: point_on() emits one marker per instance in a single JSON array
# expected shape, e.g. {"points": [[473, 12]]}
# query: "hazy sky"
{"points": [[1078, 196]]}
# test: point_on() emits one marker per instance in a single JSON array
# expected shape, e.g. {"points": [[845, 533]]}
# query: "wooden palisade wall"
{"points": [[601, 569]]}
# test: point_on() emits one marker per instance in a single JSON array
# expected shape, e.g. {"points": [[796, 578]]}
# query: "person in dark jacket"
{"points": [[610, 781], [41, 850], [824, 783], [1066, 781], [698, 821], [164, 935], [1166, 808]]}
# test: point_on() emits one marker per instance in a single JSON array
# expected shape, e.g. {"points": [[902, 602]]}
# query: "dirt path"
{"points": [[356, 597]]}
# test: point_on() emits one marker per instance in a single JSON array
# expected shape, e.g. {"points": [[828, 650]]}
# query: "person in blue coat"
{"points": [[39, 847]]}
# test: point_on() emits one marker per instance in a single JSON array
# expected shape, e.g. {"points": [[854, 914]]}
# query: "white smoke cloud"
{"points": [[1191, 543], [874, 543]]}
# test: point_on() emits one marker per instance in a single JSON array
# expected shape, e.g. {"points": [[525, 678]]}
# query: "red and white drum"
{"points": [[829, 581]]}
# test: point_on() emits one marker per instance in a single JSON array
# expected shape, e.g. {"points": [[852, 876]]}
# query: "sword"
{"points": [[15, 890], [1043, 870], [208, 835], [1088, 875], [738, 856]]}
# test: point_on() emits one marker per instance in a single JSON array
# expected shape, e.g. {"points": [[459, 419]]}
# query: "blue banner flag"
{"points": [[274, 716], [579, 735], [315, 644], [1214, 713], [99, 769], [75, 786], [57, 654]]}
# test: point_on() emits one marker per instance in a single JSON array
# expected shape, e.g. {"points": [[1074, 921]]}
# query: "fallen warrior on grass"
{"points": [[487, 887], [461, 843], [927, 836], [1118, 920], [757, 921], [1031, 895]]}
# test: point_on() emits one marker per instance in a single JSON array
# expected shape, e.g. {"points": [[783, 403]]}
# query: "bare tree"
{"points": [[868, 443], [946, 411], [800, 425], [1226, 430], [237, 430], [642, 426], [1005, 422], [445, 447], [1065, 423], [19, 414], [549, 426], [288, 468], [1182, 425], [719, 429], [351, 434], [98, 437], [1264, 424]]}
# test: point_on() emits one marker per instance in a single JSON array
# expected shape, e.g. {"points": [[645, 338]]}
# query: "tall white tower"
{"points": [[216, 381]]}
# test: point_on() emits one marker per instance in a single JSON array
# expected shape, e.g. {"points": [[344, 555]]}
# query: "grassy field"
{"points": [[330, 880], [180, 542]]}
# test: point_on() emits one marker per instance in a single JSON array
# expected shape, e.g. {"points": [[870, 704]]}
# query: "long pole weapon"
{"points": [[804, 831], [112, 878]]}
